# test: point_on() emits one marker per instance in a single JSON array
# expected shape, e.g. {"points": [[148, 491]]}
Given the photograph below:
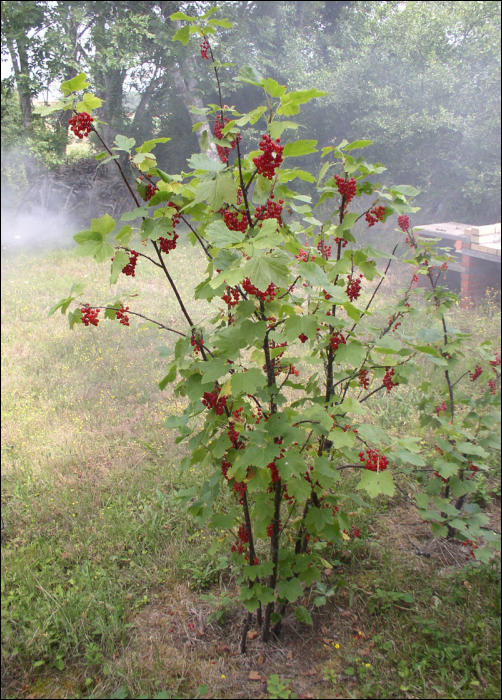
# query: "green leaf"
{"points": [[387, 345], [468, 448], [216, 192], [273, 88], [263, 594], [297, 488], [91, 102], [223, 521], [299, 148], [264, 269], [407, 190], [275, 129], [376, 483], [318, 518], [324, 472], [303, 615], [182, 35], [183, 16], [408, 457], [250, 75], [290, 103], [136, 214], [357, 144], [59, 664], [213, 369], [247, 382], [268, 236], [124, 235], [92, 243], [353, 353], [79, 82], [122, 143], [225, 23], [200, 161], [220, 236], [373, 433], [291, 590], [168, 379], [120, 260], [104, 225], [340, 438], [251, 117], [147, 146]]}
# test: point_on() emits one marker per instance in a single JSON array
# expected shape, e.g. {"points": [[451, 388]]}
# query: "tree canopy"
{"points": [[421, 79]]}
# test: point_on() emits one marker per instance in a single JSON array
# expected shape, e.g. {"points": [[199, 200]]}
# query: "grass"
{"points": [[107, 586]]}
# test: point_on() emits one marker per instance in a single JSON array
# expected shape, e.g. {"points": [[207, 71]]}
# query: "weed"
{"points": [[278, 687]]}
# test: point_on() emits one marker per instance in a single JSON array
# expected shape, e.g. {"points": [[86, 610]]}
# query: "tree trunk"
{"points": [[187, 88]]}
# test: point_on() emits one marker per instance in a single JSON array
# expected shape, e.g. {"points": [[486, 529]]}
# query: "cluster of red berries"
{"points": [[355, 532], [151, 189], [403, 222], [268, 295], [364, 379], [225, 466], [196, 343], [89, 316], [493, 387], [473, 469], [234, 438], [340, 241], [168, 244], [414, 279], [273, 470], [470, 543], [336, 340], [130, 268], [240, 489], [270, 210], [325, 250], [303, 338], [235, 221], [375, 215], [373, 461], [243, 534], [277, 366], [232, 300], [478, 371], [496, 362], [443, 479], [271, 157], [270, 528], [303, 256], [353, 288], [223, 152], [444, 267], [213, 400], [237, 548], [442, 407], [204, 48], [122, 317], [347, 188], [387, 380], [81, 124]]}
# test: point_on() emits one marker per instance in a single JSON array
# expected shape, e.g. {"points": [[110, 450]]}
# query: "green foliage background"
{"points": [[421, 78]]}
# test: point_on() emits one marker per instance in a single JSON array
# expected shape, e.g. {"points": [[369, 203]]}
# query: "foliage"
{"points": [[277, 444]]}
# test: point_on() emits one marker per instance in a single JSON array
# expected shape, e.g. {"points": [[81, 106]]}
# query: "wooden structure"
{"points": [[476, 250]]}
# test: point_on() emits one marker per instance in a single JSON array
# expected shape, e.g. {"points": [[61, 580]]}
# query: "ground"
{"points": [[107, 586]]}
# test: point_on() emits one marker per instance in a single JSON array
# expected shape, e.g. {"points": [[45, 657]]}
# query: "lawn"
{"points": [[107, 586]]}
